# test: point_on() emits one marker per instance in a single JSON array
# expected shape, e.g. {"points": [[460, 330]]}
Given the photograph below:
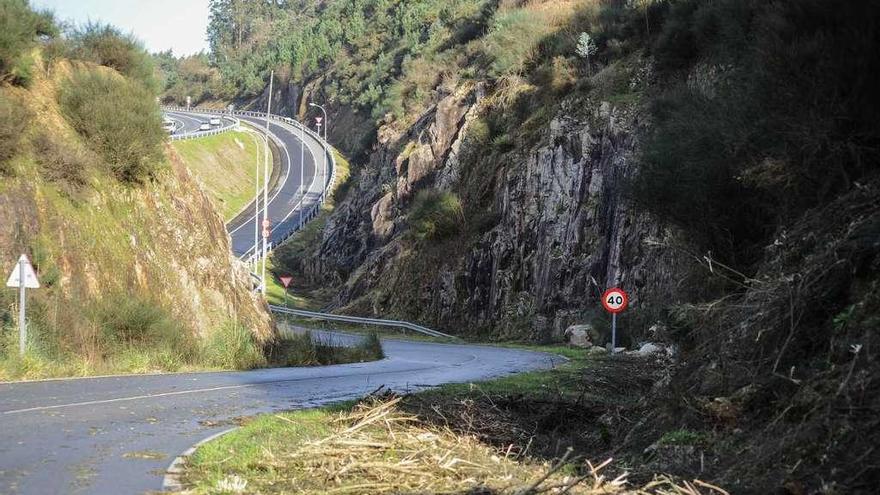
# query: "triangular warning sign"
{"points": [[286, 279], [30, 277]]}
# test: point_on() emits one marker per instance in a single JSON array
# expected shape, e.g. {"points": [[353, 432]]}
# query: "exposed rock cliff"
{"points": [[554, 231]]}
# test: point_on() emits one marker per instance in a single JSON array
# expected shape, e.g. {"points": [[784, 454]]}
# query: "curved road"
{"points": [[117, 435], [286, 198]]}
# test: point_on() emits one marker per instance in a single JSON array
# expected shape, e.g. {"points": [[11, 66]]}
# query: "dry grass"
{"points": [[376, 448]]}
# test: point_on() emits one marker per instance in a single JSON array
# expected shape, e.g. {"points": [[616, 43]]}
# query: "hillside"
{"points": [[718, 160], [133, 259]]}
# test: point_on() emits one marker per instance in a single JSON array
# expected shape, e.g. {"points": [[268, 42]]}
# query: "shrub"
{"points": [[61, 163], [20, 27], [119, 119], [435, 215], [105, 45], [14, 120]]}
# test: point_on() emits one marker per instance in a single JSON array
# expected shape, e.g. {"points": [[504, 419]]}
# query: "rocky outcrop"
{"points": [[562, 230]]}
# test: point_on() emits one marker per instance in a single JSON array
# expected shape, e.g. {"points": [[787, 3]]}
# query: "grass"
{"points": [[306, 350], [391, 444], [225, 164], [384, 332]]}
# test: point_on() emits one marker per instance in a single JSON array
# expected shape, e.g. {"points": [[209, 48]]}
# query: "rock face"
{"points": [[560, 229]]}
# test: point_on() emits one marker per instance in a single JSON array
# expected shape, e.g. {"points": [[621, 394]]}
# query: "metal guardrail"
{"points": [[212, 132], [363, 321]]}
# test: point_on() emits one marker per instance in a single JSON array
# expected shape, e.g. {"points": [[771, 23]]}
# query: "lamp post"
{"points": [[259, 140], [266, 188], [302, 180], [324, 155]]}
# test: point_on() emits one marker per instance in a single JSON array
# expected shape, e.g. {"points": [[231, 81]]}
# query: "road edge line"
{"points": [[171, 482]]}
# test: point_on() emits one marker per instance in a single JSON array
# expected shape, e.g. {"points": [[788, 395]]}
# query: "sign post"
{"points": [[614, 301], [285, 280], [22, 277]]}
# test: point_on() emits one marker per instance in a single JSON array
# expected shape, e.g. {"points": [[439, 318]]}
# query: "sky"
{"points": [[160, 24]]}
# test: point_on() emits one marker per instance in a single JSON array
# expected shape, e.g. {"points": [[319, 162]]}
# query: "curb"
{"points": [[171, 482]]}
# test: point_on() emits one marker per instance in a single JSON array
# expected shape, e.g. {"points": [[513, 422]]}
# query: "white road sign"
{"points": [[30, 277]]}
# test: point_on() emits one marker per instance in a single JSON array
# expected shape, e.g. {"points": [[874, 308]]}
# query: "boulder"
{"points": [[580, 335], [649, 348]]}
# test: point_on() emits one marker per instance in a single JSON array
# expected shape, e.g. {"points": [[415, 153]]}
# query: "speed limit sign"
{"points": [[615, 300]]}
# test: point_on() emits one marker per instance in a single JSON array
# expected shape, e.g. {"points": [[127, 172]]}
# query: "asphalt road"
{"points": [[117, 435]]}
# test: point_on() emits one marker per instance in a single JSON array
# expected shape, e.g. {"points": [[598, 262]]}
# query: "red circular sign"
{"points": [[615, 300]]}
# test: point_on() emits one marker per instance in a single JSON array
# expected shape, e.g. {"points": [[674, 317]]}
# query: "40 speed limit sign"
{"points": [[615, 300]]}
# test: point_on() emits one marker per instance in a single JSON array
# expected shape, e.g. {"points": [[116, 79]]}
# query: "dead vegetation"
{"points": [[379, 448]]}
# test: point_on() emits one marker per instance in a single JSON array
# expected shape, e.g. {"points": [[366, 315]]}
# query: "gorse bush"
{"points": [[14, 120], [105, 45], [20, 28], [118, 118], [435, 215]]}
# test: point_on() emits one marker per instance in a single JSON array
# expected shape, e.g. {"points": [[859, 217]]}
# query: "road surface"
{"points": [[117, 435]]}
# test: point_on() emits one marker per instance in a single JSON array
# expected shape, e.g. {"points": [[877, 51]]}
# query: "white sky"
{"points": [[161, 24]]}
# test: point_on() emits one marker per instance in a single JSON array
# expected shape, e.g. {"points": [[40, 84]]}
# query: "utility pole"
{"points": [[266, 231]]}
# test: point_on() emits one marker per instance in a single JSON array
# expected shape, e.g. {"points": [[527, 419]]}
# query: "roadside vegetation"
{"points": [[522, 434], [131, 255], [226, 166]]}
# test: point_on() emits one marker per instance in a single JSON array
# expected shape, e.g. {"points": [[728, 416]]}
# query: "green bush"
{"points": [[105, 45], [120, 120], [14, 120], [20, 28], [435, 215]]}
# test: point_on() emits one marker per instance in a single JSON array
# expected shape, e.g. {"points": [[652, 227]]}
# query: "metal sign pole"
{"points": [[613, 332], [22, 329]]}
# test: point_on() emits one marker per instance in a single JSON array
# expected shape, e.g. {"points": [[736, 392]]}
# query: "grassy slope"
{"points": [[225, 164], [123, 267]]}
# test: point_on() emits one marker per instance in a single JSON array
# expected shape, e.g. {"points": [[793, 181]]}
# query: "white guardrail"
{"points": [[363, 321], [198, 134]]}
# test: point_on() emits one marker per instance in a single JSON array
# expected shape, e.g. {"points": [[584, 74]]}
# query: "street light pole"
{"points": [[266, 188], [259, 141], [302, 181], [323, 155]]}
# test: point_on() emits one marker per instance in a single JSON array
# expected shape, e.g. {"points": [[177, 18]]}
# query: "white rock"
{"points": [[579, 335], [649, 348]]}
